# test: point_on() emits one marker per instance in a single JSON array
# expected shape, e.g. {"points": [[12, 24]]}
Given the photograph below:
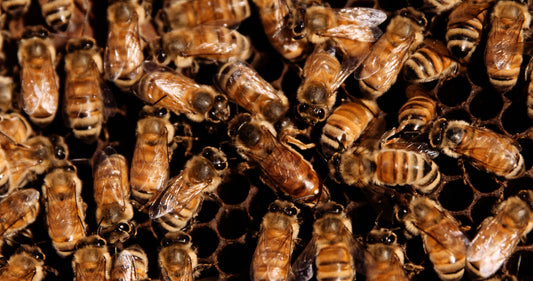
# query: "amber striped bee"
{"points": [[415, 116], [57, 13], [384, 258], [439, 6], [27, 263], [15, 128], [91, 260], [177, 259], [529, 77], [430, 62], [131, 264], [16, 8], [18, 210]]}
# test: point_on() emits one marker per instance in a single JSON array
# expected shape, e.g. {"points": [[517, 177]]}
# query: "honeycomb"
{"points": [[226, 229]]}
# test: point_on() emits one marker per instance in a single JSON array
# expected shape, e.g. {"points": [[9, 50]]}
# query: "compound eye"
{"points": [[320, 113], [166, 242], [337, 209], [183, 239], [160, 112], [60, 152], [402, 212], [38, 256], [99, 243], [124, 227], [291, 211]]}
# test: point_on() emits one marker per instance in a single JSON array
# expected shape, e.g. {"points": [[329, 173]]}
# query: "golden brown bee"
{"points": [[439, 6], [346, 124], [17, 211], [499, 235], [465, 27], [443, 240], [177, 259], [111, 188], [57, 13], [65, 208], [241, 82], [15, 129], [486, 150], [360, 167], [384, 258], [505, 43], [529, 77], [27, 264], [16, 8], [84, 98], [332, 249], [277, 18], [6, 93], [91, 260], [131, 264], [278, 235], [430, 62], [123, 55], [283, 168], [180, 94], [180, 201], [39, 80], [380, 68], [205, 43], [149, 169]]}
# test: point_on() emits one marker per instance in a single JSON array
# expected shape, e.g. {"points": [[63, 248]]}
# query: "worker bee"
{"points": [[430, 62], [57, 13], [529, 76], [248, 89], [206, 43], [91, 260], [486, 150], [465, 27], [379, 70], [346, 124], [6, 92], [384, 258], [505, 43], [123, 55], [177, 259], [332, 249], [360, 167], [131, 264], [65, 209], [499, 235], [191, 13], [149, 169], [439, 6], [417, 113], [15, 128], [181, 198], [278, 234], [283, 168], [278, 21], [443, 240], [84, 100], [27, 263], [39, 81], [180, 94], [17, 211], [111, 188], [16, 8]]}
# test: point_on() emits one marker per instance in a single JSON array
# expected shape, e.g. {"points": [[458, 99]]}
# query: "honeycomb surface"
{"points": [[226, 230]]}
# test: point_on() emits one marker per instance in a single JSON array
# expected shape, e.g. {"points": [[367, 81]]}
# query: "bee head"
{"points": [[220, 110]]}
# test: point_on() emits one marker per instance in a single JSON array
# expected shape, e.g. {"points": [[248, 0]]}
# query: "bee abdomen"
{"points": [[416, 113], [57, 13], [463, 37], [175, 221], [448, 271], [334, 262], [426, 65]]}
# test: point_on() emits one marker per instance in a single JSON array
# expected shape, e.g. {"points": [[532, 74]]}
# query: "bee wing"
{"points": [[116, 191], [467, 10], [506, 47], [115, 61], [302, 268], [359, 24], [484, 146], [217, 48], [452, 240], [39, 88], [270, 245]]}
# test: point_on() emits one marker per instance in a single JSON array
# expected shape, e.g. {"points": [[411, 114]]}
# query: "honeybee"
{"points": [[39, 80], [283, 168], [529, 76], [417, 113], [6, 92], [279, 232], [499, 235], [15, 129], [439, 6], [149, 169], [16, 8], [383, 257], [57, 13], [131, 264], [177, 259], [465, 27], [184, 193], [248, 89], [65, 208], [84, 100], [26, 264], [17, 211], [443, 240], [123, 55], [180, 94], [111, 188], [278, 20], [346, 124], [380, 68], [360, 167], [207, 43], [91, 260], [332, 249], [430, 62], [486, 150]]}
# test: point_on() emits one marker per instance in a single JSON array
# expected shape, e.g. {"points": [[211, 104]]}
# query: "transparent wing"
{"points": [[38, 88], [357, 23], [302, 268], [506, 47], [265, 248]]}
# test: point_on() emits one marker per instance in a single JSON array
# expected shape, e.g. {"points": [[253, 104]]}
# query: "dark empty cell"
{"points": [[392, 100], [486, 105], [457, 115], [525, 270], [455, 91], [208, 211], [206, 241], [448, 165], [456, 196], [269, 70], [233, 224], [235, 190], [260, 202], [363, 219], [393, 5], [514, 119], [514, 186], [291, 82], [415, 250], [481, 180], [427, 274], [208, 274], [527, 152], [234, 259], [481, 210]]}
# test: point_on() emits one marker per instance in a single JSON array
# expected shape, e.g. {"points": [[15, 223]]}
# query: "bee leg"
{"points": [[277, 83], [288, 135]]}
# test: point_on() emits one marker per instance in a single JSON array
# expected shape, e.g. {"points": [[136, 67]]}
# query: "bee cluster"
{"points": [[212, 184]]}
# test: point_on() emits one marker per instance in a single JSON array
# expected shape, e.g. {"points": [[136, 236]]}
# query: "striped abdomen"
{"points": [[334, 262], [57, 13], [429, 63], [416, 114], [193, 13], [177, 220]]}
